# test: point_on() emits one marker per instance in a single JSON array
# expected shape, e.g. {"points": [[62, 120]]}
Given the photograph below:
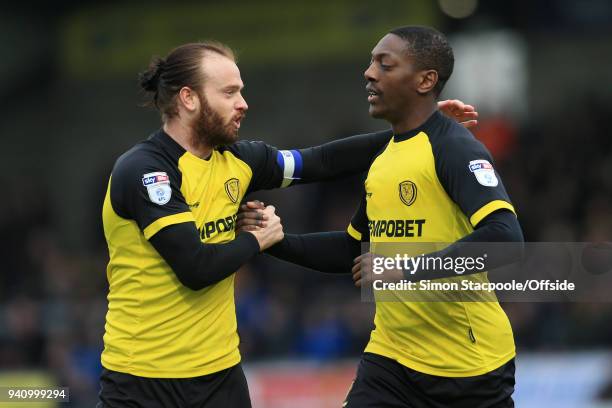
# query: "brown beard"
{"points": [[209, 129]]}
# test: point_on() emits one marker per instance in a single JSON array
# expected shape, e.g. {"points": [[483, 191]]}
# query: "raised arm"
{"points": [[353, 154], [273, 168]]}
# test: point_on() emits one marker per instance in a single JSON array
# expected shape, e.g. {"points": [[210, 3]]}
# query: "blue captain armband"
{"points": [[290, 161]]}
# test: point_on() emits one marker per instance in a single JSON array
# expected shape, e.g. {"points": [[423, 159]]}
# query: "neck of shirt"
{"points": [[424, 127]]}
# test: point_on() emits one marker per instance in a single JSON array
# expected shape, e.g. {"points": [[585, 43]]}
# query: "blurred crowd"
{"points": [[53, 300]]}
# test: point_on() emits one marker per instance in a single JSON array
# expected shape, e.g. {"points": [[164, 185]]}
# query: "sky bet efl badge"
{"points": [[158, 187], [483, 170]]}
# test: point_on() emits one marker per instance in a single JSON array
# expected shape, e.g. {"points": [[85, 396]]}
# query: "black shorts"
{"points": [[223, 389], [382, 382]]}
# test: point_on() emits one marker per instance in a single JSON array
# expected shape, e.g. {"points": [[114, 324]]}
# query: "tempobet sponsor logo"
{"points": [[211, 228], [396, 228]]}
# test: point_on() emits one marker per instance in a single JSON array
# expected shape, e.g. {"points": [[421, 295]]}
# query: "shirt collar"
{"points": [[425, 127]]}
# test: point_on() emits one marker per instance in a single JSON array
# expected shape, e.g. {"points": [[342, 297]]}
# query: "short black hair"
{"points": [[430, 50]]}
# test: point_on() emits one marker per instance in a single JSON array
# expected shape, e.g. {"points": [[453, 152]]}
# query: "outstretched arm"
{"points": [[329, 252], [273, 168], [353, 154]]}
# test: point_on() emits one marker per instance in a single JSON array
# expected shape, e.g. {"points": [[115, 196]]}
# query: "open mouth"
{"points": [[373, 95], [236, 121]]}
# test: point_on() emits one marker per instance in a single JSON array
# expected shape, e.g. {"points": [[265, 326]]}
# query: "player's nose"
{"points": [[242, 104], [369, 73]]}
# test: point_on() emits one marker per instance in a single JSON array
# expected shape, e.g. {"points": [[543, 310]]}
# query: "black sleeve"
{"points": [[359, 227], [199, 265], [330, 252], [465, 169], [500, 226], [274, 168], [351, 155], [146, 187]]}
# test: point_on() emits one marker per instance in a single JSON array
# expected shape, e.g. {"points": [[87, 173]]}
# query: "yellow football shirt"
{"points": [[434, 185], [155, 326]]}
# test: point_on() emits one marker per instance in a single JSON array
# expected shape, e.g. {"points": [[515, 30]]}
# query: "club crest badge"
{"points": [[484, 173], [407, 192], [158, 187], [232, 188]]}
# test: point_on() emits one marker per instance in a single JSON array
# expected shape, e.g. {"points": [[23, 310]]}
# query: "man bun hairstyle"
{"points": [[149, 79], [182, 67], [430, 50]]}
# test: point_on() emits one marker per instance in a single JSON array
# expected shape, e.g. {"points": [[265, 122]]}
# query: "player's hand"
{"points": [[272, 232], [459, 111], [363, 274], [362, 269], [251, 216]]}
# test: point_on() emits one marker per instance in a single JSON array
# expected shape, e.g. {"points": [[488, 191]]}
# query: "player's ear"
{"points": [[426, 81], [188, 98]]}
